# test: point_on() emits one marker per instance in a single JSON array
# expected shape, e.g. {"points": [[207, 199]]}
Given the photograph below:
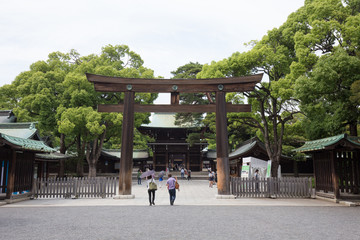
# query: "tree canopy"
{"points": [[315, 52], [329, 66], [57, 95]]}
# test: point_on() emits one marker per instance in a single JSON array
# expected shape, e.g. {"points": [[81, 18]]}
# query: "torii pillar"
{"points": [[222, 149], [127, 136]]}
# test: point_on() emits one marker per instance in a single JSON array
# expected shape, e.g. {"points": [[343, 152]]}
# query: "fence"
{"points": [[287, 187], [75, 187]]}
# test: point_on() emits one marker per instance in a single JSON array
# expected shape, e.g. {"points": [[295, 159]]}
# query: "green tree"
{"points": [[329, 59], [7, 97], [273, 105], [189, 71], [355, 90], [57, 94]]}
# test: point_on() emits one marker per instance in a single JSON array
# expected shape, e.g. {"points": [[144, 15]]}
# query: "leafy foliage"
{"points": [[329, 53], [56, 94], [273, 104], [189, 71]]}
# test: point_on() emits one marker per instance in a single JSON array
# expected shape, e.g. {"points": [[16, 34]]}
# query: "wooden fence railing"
{"points": [[289, 187], [75, 187]]}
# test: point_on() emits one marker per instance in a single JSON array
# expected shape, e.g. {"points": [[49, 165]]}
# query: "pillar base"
{"points": [[15, 200], [225, 196], [131, 196]]}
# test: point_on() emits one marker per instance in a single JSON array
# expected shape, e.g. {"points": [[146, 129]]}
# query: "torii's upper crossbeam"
{"points": [[118, 84]]}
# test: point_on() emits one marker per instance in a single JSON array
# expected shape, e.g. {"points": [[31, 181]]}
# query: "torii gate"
{"points": [[174, 86]]}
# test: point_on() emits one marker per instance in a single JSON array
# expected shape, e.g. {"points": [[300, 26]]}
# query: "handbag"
{"points": [[177, 186], [152, 186]]}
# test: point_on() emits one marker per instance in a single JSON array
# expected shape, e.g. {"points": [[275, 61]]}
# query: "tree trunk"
{"points": [[80, 167], [61, 172], [62, 161], [92, 168], [80, 159], [353, 129], [274, 168], [93, 153]]}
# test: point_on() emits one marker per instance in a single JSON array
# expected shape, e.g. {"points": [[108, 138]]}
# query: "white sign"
{"points": [[245, 170]]}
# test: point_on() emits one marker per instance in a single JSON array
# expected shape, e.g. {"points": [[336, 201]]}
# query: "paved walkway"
{"points": [[192, 193], [197, 214]]}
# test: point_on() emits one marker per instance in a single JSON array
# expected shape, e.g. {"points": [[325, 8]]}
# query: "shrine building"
{"points": [[170, 148]]}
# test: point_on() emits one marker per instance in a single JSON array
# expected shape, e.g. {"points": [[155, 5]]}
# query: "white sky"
{"points": [[165, 33]]}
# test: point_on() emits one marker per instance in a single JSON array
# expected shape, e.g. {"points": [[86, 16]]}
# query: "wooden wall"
{"points": [[5, 158], [24, 171]]}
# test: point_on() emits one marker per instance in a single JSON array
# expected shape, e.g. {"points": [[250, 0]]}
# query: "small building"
{"points": [[28, 130], [17, 165], [209, 159], [48, 164], [252, 148], [109, 160], [336, 165]]}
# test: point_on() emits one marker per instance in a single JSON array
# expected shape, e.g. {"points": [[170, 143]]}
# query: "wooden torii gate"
{"points": [[174, 86]]}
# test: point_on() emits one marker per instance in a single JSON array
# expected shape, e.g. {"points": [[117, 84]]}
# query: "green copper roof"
{"points": [[53, 156], [26, 144], [20, 130], [244, 148], [325, 142], [7, 116]]}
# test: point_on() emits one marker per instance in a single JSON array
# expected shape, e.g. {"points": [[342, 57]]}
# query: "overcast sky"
{"points": [[165, 33]]}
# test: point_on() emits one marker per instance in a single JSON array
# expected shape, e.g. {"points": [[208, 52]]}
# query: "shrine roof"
{"points": [[53, 156], [137, 153], [211, 154], [164, 120], [247, 146], [20, 130], [329, 142], [26, 144], [7, 116]]}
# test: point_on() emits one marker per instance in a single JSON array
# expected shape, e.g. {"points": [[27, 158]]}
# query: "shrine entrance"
{"points": [[174, 86], [177, 161]]}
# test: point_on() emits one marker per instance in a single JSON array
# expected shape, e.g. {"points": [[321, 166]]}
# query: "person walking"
{"points": [[189, 175], [214, 177], [139, 176], [256, 177], [152, 187], [211, 179], [182, 172], [170, 183], [161, 178]]}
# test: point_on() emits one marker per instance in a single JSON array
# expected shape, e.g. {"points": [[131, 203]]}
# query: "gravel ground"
{"points": [[179, 222], [197, 214]]}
